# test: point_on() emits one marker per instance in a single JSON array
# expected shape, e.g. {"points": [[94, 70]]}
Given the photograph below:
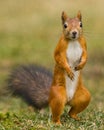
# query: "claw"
{"points": [[71, 75]]}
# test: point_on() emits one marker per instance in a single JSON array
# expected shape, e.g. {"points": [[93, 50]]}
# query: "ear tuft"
{"points": [[64, 17], [79, 16]]}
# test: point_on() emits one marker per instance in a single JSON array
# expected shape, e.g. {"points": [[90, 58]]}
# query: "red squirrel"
{"points": [[70, 57], [37, 86]]}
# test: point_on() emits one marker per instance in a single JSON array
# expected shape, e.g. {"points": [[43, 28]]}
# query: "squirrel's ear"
{"points": [[64, 17], [79, 16]]}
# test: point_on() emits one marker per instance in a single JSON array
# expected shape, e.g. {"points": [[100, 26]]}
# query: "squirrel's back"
{"points": [[32, 83]]}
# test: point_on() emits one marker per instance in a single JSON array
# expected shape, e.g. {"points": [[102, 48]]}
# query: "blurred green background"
{"points": [[30, 30]]}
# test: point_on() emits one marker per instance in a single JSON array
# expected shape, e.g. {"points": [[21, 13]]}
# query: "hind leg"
{"points": [[57, 102], [79, 102]]}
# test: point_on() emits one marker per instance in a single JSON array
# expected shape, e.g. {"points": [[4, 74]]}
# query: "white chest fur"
{"points": [[73, 53]]}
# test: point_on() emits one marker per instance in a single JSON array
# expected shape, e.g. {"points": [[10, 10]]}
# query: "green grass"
{"points": [[29, 32], [91, 119]]}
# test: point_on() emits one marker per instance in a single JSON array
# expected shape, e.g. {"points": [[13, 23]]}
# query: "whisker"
{"points": [[94, 35]]}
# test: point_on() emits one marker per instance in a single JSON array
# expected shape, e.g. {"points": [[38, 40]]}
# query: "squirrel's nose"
{"points": [[74, 33]]}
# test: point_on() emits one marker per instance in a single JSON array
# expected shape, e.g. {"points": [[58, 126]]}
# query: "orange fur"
{"points": [[58, 95]]}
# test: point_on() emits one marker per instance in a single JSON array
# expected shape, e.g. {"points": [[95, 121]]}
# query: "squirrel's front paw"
{"points": [[71, 75], [78, 68]]}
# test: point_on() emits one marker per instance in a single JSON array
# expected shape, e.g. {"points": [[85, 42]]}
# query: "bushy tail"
{"points": [[32, 83]]}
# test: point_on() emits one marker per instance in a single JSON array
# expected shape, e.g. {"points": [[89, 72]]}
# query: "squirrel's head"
{"points": [[72, 27]]}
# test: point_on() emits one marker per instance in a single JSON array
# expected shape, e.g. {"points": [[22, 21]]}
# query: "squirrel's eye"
{"points": [[65, 25], [81, 24]]}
